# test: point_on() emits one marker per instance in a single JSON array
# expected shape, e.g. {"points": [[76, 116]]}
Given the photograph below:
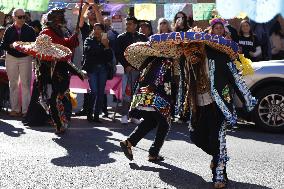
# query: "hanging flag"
{"points": [[145, 11], [116, 9], [39, 5], [171, 9], [20, 3], [6, 6], [202, 11], [60, 5]]}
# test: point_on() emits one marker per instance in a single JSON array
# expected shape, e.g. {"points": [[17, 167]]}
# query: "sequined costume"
{"points": [[211, 78], [211, 114], [59, 73], [154, 90], [152, 99]]}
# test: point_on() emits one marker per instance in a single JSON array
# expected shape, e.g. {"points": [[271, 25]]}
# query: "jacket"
{"points": [[11, 35], [222, 87], [95, 54], [123, 41]]}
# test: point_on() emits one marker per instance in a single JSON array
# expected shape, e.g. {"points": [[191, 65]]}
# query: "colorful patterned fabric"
{"points": [[230, 117], [214, 41], [154, 90], [222, 157], [249, 99]]}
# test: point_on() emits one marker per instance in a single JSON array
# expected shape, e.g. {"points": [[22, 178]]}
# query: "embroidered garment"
{"points": [[154, 91]]}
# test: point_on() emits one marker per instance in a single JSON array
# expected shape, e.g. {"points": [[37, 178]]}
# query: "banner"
{"points": [[39, 5], [171, 9], [52, 5], [260, 11], [31, 5], [6, 6], [116, 9], [19, 3], [202, 11], [145, 11]]}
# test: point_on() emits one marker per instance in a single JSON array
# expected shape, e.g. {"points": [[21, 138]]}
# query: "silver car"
{"points": [[267, 85]]}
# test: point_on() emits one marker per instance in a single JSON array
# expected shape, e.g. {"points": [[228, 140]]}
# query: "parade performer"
{"points": [[153, 96], [53, 68], [211, 78]]}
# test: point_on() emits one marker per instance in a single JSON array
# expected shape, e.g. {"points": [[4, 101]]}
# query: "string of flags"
{"points": [[142, 10]]}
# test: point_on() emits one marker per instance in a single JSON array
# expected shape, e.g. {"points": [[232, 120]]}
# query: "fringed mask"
{"points": [[194, 52]]}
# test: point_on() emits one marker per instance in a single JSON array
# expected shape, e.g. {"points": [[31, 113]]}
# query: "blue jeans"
{"points": [[97, 82]]}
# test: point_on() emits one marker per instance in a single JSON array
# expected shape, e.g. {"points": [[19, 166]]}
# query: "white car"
{"points": [[267, 85]]}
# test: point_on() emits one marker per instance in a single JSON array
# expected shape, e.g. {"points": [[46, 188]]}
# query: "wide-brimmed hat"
{"points": [[44, 49], [170, 45], [137, 53]]}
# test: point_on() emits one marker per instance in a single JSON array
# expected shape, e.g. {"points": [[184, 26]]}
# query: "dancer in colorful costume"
{"points": [[211, 78], [53, 68], [153, 96]]}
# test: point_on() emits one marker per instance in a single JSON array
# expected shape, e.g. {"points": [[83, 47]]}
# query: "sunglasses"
{"points": [[21, 17]]}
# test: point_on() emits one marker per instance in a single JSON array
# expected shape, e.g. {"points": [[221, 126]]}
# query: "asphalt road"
{"points": [[89, 156]]}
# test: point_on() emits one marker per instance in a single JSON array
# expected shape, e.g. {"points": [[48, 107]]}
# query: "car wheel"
{"points": [[269, 112]]}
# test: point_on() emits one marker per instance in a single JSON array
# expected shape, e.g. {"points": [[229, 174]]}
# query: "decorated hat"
{"points": [[137, 53], [216, 20], [171, 45], [44, 49]]}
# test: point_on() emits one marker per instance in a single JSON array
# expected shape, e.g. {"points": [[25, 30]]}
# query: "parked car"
{"points": [[267, 85]]}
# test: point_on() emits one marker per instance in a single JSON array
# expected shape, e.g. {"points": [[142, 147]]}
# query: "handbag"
{"points": [[111, 70]]}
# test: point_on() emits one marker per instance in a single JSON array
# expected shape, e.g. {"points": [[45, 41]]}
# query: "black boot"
{"points": [[90, 107], [97, 119]]}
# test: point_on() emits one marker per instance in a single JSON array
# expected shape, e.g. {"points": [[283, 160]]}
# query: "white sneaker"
{"points": [[124, 119], [135, 121]]}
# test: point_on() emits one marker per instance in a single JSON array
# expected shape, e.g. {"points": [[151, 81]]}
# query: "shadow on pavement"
{"points": [[180, 178], [174, 176], [249, 132], [10, 130], [85, 147]]}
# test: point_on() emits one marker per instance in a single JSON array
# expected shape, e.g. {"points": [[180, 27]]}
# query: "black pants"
{"points": [[206, 128], [210, 135], [151, 121]]}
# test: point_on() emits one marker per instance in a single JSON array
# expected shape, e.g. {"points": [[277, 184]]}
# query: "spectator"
{"points": [[261, 31], [112, 35], [18, 65], [123, 41], [145, 28], [218, 27], [277, 42], [163, 26], [2, 53], [180, 22], [97, 55], [28, 18], [8, 20], [248, 42], [86, 26], [36, 25], [93, 16]]}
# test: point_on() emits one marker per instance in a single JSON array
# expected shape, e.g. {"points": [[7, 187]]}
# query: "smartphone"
{"points": [[104, 35], [179, 21]]}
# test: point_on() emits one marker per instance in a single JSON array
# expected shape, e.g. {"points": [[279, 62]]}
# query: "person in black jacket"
{"points": [[18, 64], [97, 53], [122, 42]]}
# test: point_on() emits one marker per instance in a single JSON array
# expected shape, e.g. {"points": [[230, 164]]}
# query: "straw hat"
{"points": [[44, 49], [173, 45], [137, 53]]}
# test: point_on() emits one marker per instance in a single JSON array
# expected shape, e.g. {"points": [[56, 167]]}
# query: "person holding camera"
{"points": [[93, 15], [122, 42], [97, 54]]}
